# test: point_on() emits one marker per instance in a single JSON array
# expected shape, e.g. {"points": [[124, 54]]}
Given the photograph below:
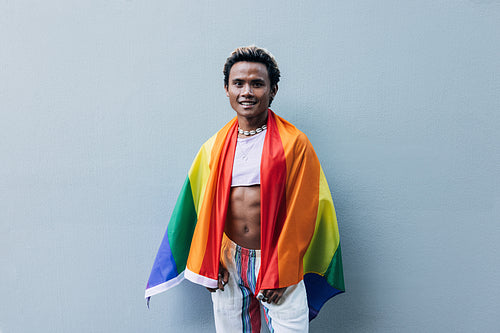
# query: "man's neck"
{"points": [[248, 124]]}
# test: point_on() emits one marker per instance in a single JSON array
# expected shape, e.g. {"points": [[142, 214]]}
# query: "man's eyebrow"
{"points": [[254, 80]]}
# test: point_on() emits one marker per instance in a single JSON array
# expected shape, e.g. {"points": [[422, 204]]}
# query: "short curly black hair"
{"points": [[253, 53]]}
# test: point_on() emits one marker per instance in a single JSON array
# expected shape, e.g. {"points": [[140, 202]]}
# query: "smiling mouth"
{"points": [[247, 103]]}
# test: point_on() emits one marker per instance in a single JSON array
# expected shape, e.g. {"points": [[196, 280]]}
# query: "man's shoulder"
{"points": [[291, 133], [210, 142], [220, 134]]}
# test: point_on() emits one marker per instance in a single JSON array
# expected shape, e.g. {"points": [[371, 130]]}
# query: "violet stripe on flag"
{"points": [[171, 259]]}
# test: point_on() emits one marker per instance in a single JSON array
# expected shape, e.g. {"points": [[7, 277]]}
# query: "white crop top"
{"points": [[246, 165]]}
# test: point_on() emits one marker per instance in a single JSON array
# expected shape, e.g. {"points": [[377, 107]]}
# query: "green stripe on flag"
{"points": [[181, 226], [335, 273]]}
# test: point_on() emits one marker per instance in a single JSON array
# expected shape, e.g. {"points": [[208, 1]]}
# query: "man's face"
{"points": [[249, 90]]}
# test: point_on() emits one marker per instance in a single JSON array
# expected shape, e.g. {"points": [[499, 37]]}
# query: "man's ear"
{"points": [[227, 91], [274, 90]]}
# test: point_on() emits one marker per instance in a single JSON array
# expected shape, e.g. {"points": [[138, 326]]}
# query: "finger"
{"points": [[278, 298], [277, 295], [262, 295], [221, 282], [212, 290], [272, 297], [268, 294], [225, 277]]}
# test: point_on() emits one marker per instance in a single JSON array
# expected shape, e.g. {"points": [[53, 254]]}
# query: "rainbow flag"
{"points": [[299, 232]]}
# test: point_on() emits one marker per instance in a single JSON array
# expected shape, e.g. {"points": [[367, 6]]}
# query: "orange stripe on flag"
{"points": [[302, 193]]}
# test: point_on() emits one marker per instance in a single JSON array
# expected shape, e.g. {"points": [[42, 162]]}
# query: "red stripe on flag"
{"points": [[210, 265], [273, 204]]}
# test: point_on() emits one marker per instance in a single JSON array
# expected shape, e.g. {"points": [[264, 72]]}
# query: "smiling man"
{"points": [[255, 221]]}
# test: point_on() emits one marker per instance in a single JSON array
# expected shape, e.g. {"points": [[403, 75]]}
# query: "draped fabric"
{"points": [[299, 232]]}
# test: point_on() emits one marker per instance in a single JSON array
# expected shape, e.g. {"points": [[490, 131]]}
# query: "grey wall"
{"points": [[103, 105]]}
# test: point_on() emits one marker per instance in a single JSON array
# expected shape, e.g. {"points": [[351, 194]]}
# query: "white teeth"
{"points": [[247, 103]]}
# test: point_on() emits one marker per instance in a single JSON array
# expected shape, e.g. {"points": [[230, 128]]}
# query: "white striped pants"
{"points": [[236, 309]]}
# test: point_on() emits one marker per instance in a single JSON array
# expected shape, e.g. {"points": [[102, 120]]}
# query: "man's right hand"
{"points": [[222, 280]]}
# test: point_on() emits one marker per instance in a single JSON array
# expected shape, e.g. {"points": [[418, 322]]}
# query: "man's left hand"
{"points": [[273, 295]]}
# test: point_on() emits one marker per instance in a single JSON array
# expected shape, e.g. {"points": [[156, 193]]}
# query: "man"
{"points": [[255, 222]]}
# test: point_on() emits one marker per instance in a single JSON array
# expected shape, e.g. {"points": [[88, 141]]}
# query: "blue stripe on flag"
{"points": [[164, 267], [318, 292]]}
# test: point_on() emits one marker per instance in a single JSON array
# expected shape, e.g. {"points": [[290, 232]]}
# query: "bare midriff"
{"points": [[243, 216]]}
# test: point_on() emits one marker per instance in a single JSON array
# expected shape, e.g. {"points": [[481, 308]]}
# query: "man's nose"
{"points": [[247, 90]]}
